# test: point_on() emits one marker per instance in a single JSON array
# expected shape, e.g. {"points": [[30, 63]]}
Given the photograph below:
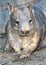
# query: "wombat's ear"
{"points": [[11, 8], [31, 4]]}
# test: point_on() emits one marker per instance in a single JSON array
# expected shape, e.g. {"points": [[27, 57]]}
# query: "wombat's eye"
{"points": [[30, 21], [17, 22]]}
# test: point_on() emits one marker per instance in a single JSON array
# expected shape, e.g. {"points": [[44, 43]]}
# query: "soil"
{"points": [[9, 58]]}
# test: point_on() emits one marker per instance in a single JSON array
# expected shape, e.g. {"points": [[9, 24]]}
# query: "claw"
{"points": [[24, 56]]}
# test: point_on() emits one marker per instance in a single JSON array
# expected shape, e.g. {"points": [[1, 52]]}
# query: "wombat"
{"points": [[23, 31]]}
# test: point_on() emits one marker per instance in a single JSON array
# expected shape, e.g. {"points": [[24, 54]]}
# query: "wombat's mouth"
{"points": [[30, 34], [24, 35], [27, 35]]}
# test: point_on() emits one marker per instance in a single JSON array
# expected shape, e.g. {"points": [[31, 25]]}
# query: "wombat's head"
{"points": [[22, 20]]}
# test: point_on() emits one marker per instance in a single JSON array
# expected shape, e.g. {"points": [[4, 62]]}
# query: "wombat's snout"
{"points": [[25, 28], [25, 31], [21, 49]]}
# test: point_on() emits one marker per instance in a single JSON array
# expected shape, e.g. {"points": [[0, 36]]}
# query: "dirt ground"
{"points": [[37, 58]]}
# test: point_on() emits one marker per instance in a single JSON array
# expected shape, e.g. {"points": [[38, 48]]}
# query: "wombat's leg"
{"points": [[42, 44], [31, 47], [15, 47], [14, 43], [7, 48]]}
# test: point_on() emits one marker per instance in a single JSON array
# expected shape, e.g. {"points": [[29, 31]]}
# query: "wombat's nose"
{"points": [[25, 32], [21, 49]]}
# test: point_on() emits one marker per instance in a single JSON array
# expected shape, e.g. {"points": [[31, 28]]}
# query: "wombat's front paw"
{"points": [[23, 56], [19, 52]]}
